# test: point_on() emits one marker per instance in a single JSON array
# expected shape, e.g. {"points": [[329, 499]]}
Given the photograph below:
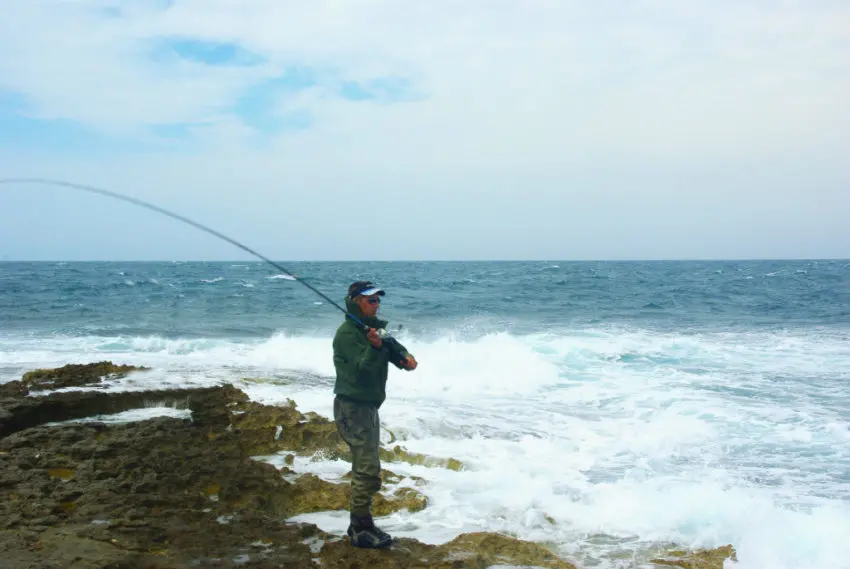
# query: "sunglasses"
{"points": [[374, 300]]}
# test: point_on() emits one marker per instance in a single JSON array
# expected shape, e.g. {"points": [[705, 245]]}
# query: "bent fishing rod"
{"points": [[135, 201]]}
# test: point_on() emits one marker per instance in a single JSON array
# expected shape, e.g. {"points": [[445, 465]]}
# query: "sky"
{"points": [[400, 130]]}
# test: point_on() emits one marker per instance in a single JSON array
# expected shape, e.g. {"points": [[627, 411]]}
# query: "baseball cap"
{"points": [[364, 288]]}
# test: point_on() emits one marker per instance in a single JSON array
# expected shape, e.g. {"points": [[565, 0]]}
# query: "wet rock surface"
{"points": [[700, 559], [71, 375], [174, 493], [18, 413]]}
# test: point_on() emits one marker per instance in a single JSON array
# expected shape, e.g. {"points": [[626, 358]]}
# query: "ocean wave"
{"points": [[638, 435], [793, 352]]}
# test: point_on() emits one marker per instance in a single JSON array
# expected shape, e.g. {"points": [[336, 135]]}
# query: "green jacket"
{"points": [[361, 369]]}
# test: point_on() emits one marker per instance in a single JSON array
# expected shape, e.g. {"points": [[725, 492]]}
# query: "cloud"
{"points": [[204, 52], [567, 105], [646, 78]]}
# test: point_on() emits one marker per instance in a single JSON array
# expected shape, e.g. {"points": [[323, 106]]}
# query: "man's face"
{"points": [[369, 304]]}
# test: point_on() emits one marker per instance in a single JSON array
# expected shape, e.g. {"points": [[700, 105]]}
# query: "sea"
{"points": [[601, 408]]}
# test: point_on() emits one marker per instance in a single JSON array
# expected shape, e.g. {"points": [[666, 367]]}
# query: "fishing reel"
{"points": [[385, 334], [387, 338]]}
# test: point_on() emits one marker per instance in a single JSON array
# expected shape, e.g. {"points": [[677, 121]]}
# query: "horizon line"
{"points": [[487, 260]]}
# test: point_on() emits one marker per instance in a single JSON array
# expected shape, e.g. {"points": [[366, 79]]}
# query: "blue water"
{"points": [[701, 402], [245, 300]]}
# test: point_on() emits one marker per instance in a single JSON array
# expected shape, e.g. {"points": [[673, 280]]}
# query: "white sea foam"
{"points": [[133, 415], [642, 437]]}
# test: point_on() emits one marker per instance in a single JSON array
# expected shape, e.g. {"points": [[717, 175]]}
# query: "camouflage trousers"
{"points": [[359, 426]]}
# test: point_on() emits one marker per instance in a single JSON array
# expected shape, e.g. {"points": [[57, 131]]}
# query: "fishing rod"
{"points": [[135, 201]]}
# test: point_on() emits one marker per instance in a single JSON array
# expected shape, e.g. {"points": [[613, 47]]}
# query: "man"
{"points": [[361, 359]]}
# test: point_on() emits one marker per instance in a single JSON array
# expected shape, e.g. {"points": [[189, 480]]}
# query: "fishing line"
{"points": [[135, 201]]}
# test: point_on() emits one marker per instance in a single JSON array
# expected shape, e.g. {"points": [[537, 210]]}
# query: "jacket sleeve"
{"points": [[397, 353], [362, 358]]}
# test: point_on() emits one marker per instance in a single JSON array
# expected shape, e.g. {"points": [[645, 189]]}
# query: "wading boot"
{"points": [[363, 533]]}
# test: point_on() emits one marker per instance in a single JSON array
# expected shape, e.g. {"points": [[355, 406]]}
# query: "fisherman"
{"points": [[361, 360]]}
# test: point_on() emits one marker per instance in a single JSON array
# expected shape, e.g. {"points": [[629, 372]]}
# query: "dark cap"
{"points": [[365, 288]]}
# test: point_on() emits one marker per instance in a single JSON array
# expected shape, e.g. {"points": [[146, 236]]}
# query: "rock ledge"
{"points": [[187, 493]]}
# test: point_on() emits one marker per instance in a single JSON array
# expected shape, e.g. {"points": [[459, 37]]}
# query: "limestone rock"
{"points": [[398, 454], [700, 559], [468, 551], [71, 375], [163, 493], [268, 429], [24, 412], [167, 493]]}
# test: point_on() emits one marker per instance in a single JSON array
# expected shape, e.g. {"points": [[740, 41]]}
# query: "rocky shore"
{"points": [[189, 492]]}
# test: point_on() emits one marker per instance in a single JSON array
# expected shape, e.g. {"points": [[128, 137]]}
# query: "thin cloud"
{"points": [[566, 107]]}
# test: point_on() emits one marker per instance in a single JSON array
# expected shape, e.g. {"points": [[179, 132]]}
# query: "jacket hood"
{"points": [[354, 309]]}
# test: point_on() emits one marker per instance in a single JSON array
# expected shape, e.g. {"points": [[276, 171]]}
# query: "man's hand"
{"points": [[410, 363], [374, 339]]}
